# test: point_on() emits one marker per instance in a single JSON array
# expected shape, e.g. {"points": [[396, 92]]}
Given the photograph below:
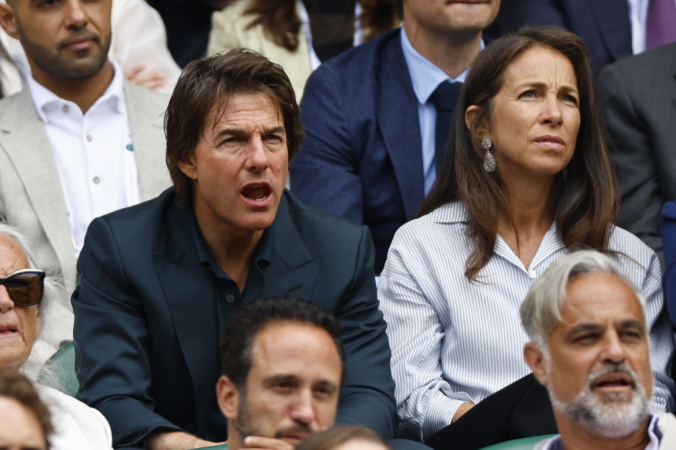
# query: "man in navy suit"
{"points": [[159, 279], [605, 26], [372, 143]]}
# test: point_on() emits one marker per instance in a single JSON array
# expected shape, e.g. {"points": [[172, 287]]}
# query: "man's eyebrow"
{"points": [[583, 328], [279, 378], [274, 130], [631, 323]]}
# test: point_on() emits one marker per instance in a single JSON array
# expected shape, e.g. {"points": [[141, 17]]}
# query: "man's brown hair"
{"points": [[207, 84]]}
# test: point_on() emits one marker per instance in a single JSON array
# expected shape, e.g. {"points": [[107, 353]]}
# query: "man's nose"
{"points": [[303, 410], [613, 350], [76, 16], [6, 302], [258, 156]]}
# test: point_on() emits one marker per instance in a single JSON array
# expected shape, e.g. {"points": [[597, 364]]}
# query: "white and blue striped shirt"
{"points": [[454, 341]]}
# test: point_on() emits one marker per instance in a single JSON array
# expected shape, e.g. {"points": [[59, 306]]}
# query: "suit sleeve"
{"points": [[112, 339], [325, 171], [632, 156], [669, 243], [367, 396]]}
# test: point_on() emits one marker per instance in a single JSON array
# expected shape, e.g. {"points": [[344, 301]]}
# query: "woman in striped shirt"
{"points": [[526, 180]]}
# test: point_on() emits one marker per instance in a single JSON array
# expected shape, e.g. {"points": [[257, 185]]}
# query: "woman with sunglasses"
{"points": [[22, 294]]}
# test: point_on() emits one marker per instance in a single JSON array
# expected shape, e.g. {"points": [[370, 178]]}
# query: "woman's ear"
{"points": [[483, 130]]}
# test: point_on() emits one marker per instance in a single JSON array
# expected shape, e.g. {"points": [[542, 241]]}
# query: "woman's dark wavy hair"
{"points": [[282, 25], [584, 206]]}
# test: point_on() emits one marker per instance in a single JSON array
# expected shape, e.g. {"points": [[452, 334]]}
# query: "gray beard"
{"points": [[621, 415]]}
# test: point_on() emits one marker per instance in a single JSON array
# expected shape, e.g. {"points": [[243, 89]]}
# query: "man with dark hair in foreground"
{"points": [[159, 279], [283, 365]]}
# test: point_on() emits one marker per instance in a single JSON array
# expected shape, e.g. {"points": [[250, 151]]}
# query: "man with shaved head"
{"points": [[589, 348], [79, 141]]}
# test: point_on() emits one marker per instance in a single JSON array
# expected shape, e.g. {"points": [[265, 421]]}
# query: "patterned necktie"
{"points": [[444, 97], [661, 23]]}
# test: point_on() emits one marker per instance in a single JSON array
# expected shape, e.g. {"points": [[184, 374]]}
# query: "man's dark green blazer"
{"points": [[146, 322]]}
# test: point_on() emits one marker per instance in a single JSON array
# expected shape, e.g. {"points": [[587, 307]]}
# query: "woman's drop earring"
{"points": [[489, 161]]}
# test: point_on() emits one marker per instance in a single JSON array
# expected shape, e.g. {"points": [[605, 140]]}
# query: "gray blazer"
{"points": [[638, 98], [31, 197]]}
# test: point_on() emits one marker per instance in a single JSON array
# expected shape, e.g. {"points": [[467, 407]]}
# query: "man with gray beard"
{"points": [[589, 348]]}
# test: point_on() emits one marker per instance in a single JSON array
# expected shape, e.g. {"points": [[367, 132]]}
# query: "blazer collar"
{"points": [[398, 122]]}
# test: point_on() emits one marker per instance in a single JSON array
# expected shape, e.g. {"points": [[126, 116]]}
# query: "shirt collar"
{"points": [[654, 435], [44, 99], [425, 75], [262, 253]]}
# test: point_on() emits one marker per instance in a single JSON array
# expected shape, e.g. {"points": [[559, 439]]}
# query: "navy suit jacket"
{"points": [[362, 155], [603, 25], [146, 322]]}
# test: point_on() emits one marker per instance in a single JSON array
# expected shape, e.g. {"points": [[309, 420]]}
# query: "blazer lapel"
{"points": [[399, 124], [191, 299], [616, 29], [25, 140], [292, 268], [146, 119]]}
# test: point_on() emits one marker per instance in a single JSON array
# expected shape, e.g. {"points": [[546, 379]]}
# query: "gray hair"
{"points": [[541, 311], [48, 307]]}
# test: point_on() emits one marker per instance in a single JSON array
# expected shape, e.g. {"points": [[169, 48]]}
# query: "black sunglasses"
{"points": [[25, 287]]}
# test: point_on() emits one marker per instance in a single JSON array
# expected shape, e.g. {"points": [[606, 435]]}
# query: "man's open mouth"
{"points": [[257, 192]]}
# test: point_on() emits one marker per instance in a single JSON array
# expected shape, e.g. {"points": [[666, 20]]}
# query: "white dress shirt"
{"points": [[426, 77], [454, 341], [93, 153]]}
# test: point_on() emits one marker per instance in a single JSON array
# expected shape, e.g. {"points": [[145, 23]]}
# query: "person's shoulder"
{"points": [[428, 228], [631, 252], [21, 99], [150, 211], [147, 100], [310, 219], [362, 59], [87, 418], [659, 60]]}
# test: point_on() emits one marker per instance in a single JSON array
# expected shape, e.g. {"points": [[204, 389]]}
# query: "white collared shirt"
{"points": [[426, 77], [654, 435], [93, 153], [454, 341]]}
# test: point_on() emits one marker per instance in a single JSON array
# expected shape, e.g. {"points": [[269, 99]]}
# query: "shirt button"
{"points": [[229, 298], [89, 138], [532, 274], [96, 180], [65, 108]]}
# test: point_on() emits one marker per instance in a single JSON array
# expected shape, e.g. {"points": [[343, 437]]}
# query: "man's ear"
{"points": [[189, 166], [8, 20], [535, 359], [228, 397]]}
